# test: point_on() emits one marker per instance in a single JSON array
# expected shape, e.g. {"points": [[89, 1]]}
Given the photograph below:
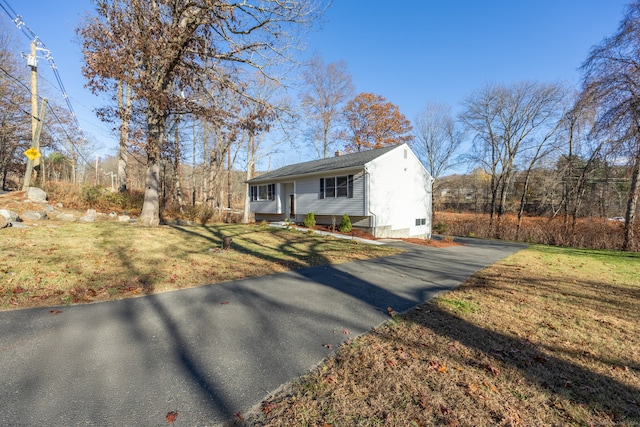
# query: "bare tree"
{"points": [[437, 138], [505, 120], [15, 119], [327, 88], [612, 78], [160, 49]]}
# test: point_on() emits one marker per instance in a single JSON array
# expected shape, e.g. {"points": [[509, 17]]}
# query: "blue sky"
{"points": [[411, 52]]}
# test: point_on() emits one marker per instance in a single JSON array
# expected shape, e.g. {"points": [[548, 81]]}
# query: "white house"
{"points": [[386, 191]]}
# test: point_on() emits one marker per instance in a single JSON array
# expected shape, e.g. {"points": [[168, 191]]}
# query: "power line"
{"points": [[49, 107], [31, 35]]}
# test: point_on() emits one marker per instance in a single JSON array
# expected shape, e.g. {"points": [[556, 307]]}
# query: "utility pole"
{"points": [[32, 61]]}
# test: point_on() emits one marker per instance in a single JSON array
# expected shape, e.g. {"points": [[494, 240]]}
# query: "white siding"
{"points": [[400, 193]]}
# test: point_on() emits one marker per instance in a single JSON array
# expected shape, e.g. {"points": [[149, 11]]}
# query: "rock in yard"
{"points": [[36, 194], [35, 215], [124, 218], [90, 216], [66, 217], [3, 222], [10, 216]]}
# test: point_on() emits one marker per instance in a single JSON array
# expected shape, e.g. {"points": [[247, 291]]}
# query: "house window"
{"points": [[421, 221], [262, 192], [336, 186]]}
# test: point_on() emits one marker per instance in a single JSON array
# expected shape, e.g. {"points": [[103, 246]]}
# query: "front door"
{"points": [[292, 209]]}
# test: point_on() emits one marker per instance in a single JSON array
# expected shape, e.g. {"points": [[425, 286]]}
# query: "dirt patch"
{"points": [[13, 201], [353, 233], [432, 242]]}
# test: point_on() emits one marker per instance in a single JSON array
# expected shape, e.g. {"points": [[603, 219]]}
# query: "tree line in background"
{"points": [[199, 99]]}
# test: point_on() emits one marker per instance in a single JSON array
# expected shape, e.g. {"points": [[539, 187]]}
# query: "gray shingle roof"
{"points": [[324, 165]]}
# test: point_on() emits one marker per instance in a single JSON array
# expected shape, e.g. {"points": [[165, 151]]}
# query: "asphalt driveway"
{"points": [[212, 351]]}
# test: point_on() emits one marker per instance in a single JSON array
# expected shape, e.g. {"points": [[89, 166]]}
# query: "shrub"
{"points": [[310, 220], [440, 227], [345, 224], [205, 215], [91, 195]]}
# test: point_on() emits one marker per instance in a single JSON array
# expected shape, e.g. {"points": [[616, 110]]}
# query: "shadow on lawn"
{"points": [[581, 386], [242, 242]]}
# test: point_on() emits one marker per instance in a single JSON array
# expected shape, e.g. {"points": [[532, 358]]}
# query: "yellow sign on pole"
{"points": [[32, 153]]}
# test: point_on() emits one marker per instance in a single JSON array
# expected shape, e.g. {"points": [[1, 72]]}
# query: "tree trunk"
{"points": [[523, 199], [150, 215], [229, 184], [632, 204], [177, 175]]}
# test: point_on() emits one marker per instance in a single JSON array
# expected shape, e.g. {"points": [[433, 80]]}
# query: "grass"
{"points": [[548, 336], [60, 263]]}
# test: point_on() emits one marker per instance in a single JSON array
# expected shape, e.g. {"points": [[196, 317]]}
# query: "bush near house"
{"points": [[345, 224], [309, 220]]}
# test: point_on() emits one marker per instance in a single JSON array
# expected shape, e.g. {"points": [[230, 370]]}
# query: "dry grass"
{"points": [[63, 263], [589, 233], [547, 337]]}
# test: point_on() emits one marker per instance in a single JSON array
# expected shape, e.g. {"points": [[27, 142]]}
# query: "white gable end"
{"points": [[399, 194]]}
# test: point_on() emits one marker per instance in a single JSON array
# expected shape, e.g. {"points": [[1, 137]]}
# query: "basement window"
{"points": [[421, 221]]}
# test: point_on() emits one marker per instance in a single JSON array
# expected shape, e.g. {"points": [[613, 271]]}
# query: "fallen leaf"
{"points": [[224, 303], [490, 386], [171, 416], [442, 368], [391, 311], [445, 410], [268, 407], [492, 369], [330, 379], [238, 416], [329, 346], [55, 311], [540, 359], [346, 331]]}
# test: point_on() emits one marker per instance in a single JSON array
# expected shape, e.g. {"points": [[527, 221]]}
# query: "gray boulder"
{"points": [[35, 194], [35, 215], [10, 216], [67, 217], [90, 216]]}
